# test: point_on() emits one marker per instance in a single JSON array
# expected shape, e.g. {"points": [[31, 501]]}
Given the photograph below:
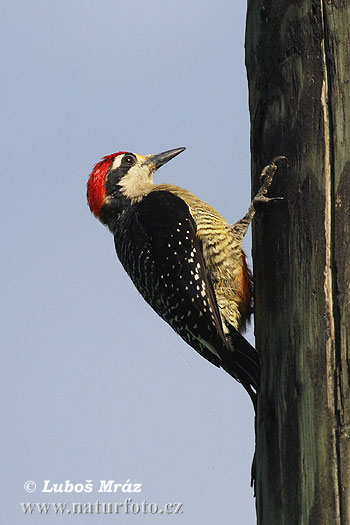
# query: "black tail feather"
{"points": [[245, 364]]}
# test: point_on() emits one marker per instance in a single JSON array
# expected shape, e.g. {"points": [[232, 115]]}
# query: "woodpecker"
{"points": [[185, 260]]}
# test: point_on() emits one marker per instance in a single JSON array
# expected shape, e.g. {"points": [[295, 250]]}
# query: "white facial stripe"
{"points": [[137, 182], [117, 161]]}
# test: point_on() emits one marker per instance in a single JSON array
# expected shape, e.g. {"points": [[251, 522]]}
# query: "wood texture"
{"points": [[298, 64]]}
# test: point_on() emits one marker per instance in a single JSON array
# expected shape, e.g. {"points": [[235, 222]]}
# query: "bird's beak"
{"points": [[157, 160]]}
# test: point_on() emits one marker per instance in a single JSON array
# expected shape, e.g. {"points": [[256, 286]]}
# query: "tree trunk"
{"points": [[298, 63]]}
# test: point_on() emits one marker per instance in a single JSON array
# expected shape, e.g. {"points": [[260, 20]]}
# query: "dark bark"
{"points": [[298, 63]]}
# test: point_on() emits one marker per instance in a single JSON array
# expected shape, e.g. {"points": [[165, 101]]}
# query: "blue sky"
{"points": [[95, 385]]}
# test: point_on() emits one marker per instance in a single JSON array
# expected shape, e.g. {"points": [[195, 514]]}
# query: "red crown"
{"points": [[96, 190]]}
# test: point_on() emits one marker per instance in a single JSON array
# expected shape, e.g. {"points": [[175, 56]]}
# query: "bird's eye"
{"points": [[129, 160]]}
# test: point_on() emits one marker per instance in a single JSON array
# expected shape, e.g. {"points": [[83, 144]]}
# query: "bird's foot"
{"points": [[267, 174]]}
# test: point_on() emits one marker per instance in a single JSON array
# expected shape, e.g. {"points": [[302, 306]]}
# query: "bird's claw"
{"points": [[262, 199], [271, 168], [267, 174]]}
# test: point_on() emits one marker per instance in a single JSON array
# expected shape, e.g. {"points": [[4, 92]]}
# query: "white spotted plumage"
{"points": [[184, 259]]}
